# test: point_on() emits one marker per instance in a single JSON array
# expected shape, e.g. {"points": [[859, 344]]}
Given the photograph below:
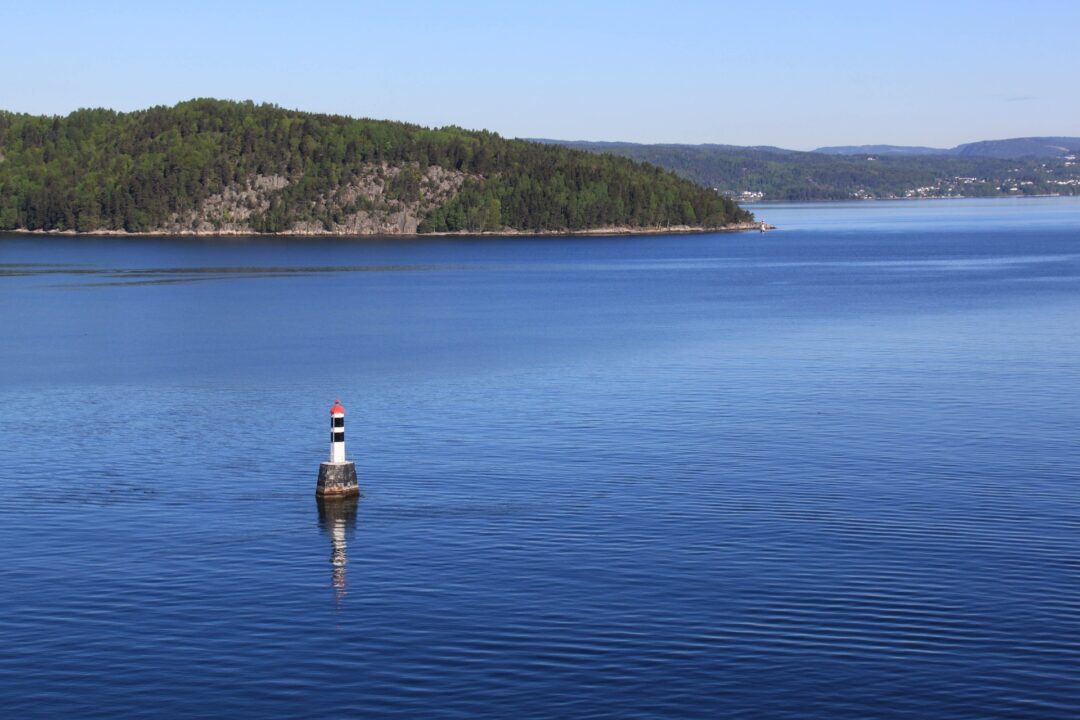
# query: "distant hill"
{"points": [[882, 150], [212, 166], [1011, 149], [755, 173], [1015, 148]]}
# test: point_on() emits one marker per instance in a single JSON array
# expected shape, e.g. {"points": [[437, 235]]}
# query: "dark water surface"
{"points": [[826, 472]]}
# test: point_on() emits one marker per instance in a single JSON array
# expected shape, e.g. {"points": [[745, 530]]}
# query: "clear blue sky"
{"points": [[794, 74]]}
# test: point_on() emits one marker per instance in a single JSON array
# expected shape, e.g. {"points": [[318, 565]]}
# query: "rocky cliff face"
{"points": [[385, 201], [231, 210], [382, 200]]}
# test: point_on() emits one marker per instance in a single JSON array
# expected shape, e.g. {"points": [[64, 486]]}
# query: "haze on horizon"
{"points": [[789, 74]]}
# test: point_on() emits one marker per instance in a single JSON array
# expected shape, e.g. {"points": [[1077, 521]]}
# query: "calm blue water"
{"points": [[827, 472]]}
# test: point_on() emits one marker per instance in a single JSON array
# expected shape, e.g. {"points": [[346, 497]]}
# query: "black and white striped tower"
{"points": [[337, 433], [337, 477]]}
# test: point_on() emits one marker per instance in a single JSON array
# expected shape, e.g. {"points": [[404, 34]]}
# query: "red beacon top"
{"points": [[337, 409]]}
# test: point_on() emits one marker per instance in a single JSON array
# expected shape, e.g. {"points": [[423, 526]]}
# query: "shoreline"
{"points": [[895, 199], [610, 231]]}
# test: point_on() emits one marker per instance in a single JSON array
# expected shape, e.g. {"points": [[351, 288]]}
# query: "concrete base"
{"points": [[337, 480]]}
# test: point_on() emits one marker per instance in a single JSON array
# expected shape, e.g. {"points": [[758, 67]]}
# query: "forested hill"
{"points": [[218, 166]]}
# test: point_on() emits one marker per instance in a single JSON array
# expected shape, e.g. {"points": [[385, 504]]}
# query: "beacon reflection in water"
{"points": [[337, 518]]}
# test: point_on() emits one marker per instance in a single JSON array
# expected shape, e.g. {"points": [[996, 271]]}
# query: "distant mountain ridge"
{"points": [[1016, 148], [991, 168], [1008, 149], [882, 150]]}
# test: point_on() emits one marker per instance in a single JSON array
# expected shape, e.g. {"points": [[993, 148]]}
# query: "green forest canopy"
{"points": [[105, 170]]}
